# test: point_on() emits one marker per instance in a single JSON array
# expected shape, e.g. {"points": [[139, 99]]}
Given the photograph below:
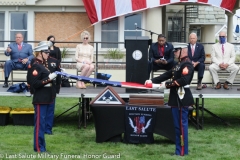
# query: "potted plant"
{"points": [[237, 59], [64, 54], [113, 55]]}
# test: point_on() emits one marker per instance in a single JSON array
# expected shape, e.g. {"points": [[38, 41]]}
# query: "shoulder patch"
{"points": [[35, 73], [185, 71]]}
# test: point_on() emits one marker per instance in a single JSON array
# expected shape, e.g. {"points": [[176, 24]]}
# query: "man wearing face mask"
{"points": [[223, 58], [54, 51]]}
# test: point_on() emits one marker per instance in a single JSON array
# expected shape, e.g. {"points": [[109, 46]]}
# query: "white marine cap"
{"points": [[43, 46], [177, 46]]}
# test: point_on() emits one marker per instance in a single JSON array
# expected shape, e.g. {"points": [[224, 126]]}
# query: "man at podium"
{"points": [[160, 55]]}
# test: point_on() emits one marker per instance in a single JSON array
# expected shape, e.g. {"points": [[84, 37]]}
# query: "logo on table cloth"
{"points": [[140, 126]]}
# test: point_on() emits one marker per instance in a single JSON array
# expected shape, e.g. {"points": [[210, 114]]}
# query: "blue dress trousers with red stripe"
{"points": [[53, 65], [181, 76], [44, 93]]}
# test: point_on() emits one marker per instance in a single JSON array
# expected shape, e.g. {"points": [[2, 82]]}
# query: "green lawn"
{"points": [[215, 141]]}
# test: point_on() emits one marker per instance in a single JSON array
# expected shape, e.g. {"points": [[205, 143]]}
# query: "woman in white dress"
{"points": [[84, 58]]}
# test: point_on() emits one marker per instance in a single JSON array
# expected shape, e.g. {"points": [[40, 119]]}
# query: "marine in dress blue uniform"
{"points": [[53, 65], [180, 97], [41, 83]]}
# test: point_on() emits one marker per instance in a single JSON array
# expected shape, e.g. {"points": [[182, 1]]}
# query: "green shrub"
{"points": [[114, 53]]}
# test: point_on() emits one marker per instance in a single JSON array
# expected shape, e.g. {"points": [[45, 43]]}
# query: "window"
{"points": [[130, 21], [2, 19], [110, 33], [18, 24], [196, 30], [175, 29]]}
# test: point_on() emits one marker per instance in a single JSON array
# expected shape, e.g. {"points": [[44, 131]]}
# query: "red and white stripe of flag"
{"points": [[99, 10]]}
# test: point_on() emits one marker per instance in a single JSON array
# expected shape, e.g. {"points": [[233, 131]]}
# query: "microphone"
{"points": [[135, 26]]}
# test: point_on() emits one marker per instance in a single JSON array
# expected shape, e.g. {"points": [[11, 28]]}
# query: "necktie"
{"points": [[19, 47], [160, 51], [222, 49], [192, 50]]}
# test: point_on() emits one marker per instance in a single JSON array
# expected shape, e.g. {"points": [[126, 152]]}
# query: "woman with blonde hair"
{"points": [[84, 58]]}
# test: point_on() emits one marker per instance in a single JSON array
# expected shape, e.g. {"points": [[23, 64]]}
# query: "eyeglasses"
{"points": [[85, 38], [221, 36]]}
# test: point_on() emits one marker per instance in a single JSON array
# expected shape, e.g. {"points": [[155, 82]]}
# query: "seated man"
{"points": [[196, 54], [20, 56], [160, 55], [223, 58]]}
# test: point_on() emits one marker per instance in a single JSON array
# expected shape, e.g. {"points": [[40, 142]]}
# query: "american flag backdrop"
{"points": [[100, 10]]}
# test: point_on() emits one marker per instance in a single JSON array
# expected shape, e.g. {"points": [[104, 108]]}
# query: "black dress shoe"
{"points": [[5, 85], [174, 154], [49, 133]]}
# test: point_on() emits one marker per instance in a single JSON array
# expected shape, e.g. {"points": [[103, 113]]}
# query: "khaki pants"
{"points": [[233, 69]]}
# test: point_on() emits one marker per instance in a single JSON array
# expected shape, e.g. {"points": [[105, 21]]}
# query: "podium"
{"points": [[136, 60]]}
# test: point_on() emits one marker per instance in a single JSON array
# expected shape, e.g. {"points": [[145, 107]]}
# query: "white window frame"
{"points": [[7, 20], [138, 25], [17, 30], [3, 28], [121, 19], [112, 31]]}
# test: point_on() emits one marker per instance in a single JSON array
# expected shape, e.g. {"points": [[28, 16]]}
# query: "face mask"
{"points": [[222, 40], [53, 42]]}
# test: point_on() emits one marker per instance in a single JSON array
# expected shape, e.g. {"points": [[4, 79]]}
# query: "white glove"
{"points": [[155, 86], [162, 85], [147, 81], [52, 75]]}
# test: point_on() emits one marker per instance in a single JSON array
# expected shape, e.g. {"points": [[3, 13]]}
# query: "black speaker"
{"points": [[136, 60]]}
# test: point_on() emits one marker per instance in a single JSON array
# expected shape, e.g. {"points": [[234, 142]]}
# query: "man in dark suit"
{"points": [[160, 55], [20, 56], [196, 54]]}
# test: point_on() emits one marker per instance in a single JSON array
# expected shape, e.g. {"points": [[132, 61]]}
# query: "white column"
{"points": [[31, 27], [208, 36], [97, 34], [230, 37], [154, 22], [7, 28], [121, 32]]}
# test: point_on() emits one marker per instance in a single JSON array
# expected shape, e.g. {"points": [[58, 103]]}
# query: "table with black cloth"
{"points": [[110, 122]]}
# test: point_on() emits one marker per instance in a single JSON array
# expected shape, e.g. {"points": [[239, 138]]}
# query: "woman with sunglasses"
{"points": [[84, 58], [42, 85]]}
